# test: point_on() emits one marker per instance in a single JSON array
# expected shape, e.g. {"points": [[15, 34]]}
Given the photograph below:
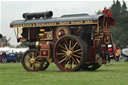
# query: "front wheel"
{"points": [[31, 61]]}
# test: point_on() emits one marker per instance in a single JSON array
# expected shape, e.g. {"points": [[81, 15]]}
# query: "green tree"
{"points": [[120, 30], [124, 7], [105, 7], [124, 14], [99, 12]]}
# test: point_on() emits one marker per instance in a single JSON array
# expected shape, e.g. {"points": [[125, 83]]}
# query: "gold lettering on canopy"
{"points": [[55, 23]]}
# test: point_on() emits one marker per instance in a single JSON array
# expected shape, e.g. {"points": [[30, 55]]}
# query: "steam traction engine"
{"points": [[72, 42]]}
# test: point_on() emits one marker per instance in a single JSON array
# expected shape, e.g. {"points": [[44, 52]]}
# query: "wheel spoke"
{"points": [[77, 60], [35, 54], [63, 56], [29, 55], [77, 50], [33, 66], [77, 56], [30, 65], [27, 59], [73, 64], [74, 60], [37, 62], [66, 41], [66, 47], [64, 51], [60, 53], [78, 46], [70, 44], [32, 54], [37, 57], [65, 61], [79, 53], [74, 45], [37, 65], [62, 60], [70, 63], [62, 47]]}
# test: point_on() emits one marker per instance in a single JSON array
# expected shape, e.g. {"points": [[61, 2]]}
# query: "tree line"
{"points": [[120, 30]]}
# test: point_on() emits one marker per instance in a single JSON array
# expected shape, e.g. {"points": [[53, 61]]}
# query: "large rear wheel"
{"points": [[69, 53]]}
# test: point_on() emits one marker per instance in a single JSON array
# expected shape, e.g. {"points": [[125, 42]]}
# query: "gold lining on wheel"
{"points": [[68, 54]]}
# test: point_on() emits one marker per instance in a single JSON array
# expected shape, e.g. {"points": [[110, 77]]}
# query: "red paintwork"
{"points": [[111, 51], [91, 55], [108, 13], [44, 53], [44, 49]]}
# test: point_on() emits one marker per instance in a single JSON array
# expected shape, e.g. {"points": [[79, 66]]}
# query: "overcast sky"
{"points": [[13, 10]]}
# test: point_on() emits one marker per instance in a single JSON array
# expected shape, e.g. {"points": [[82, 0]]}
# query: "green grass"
{"points": [[14, 74]]}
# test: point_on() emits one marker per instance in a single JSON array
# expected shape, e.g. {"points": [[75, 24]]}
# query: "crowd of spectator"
{"points": [[10, 57]]}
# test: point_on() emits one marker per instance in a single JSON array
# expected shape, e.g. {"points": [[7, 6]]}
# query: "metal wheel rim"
{"points": [[29, 63], [68, 54]]}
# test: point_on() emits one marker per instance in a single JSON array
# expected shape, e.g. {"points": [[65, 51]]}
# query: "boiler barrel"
{"points": [[34, 44]]}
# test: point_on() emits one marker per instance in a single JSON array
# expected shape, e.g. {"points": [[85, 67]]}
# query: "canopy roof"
{"points": [[78, 19]]}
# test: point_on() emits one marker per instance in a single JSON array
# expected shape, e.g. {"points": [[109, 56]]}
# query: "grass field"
{"points": [[14, 74]]}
